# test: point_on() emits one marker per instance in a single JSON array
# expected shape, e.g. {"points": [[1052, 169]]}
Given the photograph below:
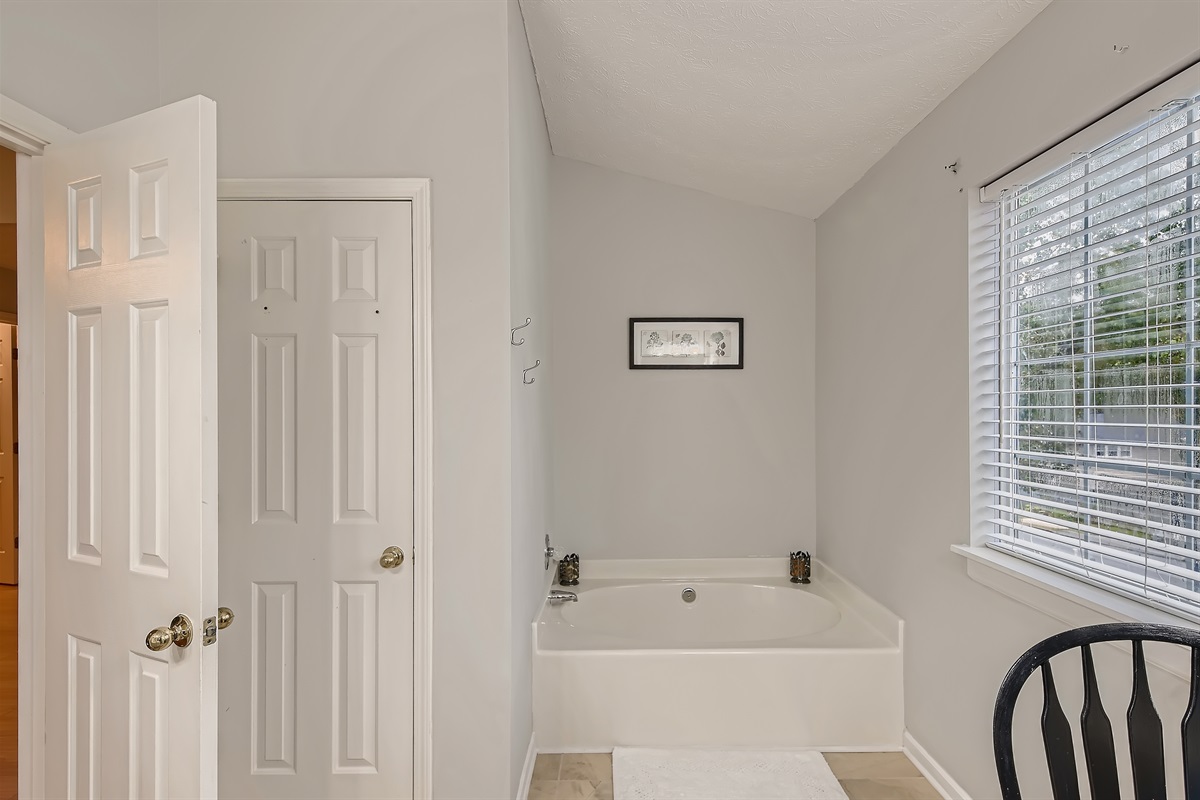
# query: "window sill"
{"points": [[1067, 600]]}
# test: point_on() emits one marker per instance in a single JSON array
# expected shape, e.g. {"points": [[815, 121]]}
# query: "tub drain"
{"points": [[689, 595]]}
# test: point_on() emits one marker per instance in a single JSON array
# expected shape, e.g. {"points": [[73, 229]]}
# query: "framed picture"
{"points": [[685, 342]]}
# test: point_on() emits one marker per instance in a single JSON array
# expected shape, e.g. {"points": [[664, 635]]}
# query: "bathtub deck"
{"points": [[854, 631], [863, 776]]}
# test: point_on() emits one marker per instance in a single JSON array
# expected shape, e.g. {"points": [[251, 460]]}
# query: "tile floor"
{"points": [[864, 776]]}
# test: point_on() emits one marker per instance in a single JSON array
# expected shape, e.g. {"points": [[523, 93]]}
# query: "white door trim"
{"points": [[416, 191], [31, 491], [27, 132], [413, 189]]}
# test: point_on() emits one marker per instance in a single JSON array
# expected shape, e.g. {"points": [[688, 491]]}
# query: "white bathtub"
{"points": [[752, 661], [720, 614]]}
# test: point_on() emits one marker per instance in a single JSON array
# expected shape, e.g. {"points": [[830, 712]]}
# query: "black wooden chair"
{"points": [[1145, 727]]}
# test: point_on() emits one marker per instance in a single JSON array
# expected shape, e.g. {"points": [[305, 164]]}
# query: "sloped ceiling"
{"points": [[776, 103]]}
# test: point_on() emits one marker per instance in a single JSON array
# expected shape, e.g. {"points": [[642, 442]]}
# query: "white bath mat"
{"points": [[651, 774]]}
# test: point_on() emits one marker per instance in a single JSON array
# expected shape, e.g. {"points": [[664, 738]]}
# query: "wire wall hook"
{"points": [[525, 379], [513, 336]]}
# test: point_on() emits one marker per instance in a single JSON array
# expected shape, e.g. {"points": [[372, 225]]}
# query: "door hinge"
{"points": [[16, 449], [16, 542], [14, 354]]}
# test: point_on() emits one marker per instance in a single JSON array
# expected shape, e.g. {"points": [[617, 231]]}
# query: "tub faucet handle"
{"points": [[550, 553]]}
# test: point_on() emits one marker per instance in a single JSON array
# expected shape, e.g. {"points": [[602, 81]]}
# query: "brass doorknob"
{"points": [[392, 557], [179, 633], [224, 617]]}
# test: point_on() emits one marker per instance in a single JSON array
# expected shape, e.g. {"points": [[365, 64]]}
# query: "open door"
{"points": [[131, 439]]}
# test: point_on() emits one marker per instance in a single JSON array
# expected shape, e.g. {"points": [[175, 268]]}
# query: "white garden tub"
{"points": [[752, 661]]}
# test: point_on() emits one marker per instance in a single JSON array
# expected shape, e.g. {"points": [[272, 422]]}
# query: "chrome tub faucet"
{"points": [[561, 596]]}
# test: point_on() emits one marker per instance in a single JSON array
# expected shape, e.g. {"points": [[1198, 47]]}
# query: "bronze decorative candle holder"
{"points": [[568, 570], [801, 567]]}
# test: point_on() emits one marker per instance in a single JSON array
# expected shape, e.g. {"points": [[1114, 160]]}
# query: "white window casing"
{"points": [[1085, 328]]}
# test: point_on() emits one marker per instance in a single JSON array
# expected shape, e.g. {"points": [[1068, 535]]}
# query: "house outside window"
{"points": [[1091, 333]]}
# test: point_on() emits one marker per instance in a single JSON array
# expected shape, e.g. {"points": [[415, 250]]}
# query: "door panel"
{"points": [[274, 676], [131, 455], [274, 445], [316, 480]]}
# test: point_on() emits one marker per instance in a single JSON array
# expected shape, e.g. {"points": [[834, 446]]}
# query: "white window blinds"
{"points": [[1092, 455]]}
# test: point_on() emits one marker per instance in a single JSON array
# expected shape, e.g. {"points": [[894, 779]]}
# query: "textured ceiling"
{"points": [[777, 103]]}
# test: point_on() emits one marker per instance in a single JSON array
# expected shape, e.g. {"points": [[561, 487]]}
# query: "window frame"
{"points": [[1018, 577]]}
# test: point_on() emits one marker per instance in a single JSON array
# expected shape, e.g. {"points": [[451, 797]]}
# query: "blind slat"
{"points": [[1173, 599], [1001, 465], [1060, 222], [1014, 484], [1087, 512], [1087, 252], [1152, 556]]}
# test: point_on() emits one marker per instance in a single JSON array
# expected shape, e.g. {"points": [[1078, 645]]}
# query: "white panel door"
{"points": [[131, 404], [316, 481]]}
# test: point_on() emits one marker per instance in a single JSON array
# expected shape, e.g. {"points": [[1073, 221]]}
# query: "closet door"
{"points": [[316, 498]]}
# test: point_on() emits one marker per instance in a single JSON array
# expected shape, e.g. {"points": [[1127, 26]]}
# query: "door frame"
{"points": [[417, 191], [28, 132]]}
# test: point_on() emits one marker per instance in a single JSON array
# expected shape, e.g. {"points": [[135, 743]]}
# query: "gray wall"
{"points": [[657, 464], [529, 209], [82, 63], [355, 89], [892, 370]]}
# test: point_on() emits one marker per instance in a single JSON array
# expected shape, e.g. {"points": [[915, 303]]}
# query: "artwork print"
{"points": [[655, 343], [716, 343], [685, 343]]}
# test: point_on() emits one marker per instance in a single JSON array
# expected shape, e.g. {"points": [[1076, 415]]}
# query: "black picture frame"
{"points": [[680, 328]]}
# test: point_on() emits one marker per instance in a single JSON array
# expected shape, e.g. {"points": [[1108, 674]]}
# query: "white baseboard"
{"points": [[932, 770], [841, 748], [527, 771]]}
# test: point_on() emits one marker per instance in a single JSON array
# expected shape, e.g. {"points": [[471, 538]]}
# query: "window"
{"points": [[1090, 460]]}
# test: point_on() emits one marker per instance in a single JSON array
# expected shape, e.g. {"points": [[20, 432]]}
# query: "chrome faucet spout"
{"points": [[560, 596]]}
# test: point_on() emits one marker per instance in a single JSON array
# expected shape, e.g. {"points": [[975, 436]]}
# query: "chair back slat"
{"points": [[1145, 727], [1056, 734], [1191, 734], [1098, 748], [1145, 735]]}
